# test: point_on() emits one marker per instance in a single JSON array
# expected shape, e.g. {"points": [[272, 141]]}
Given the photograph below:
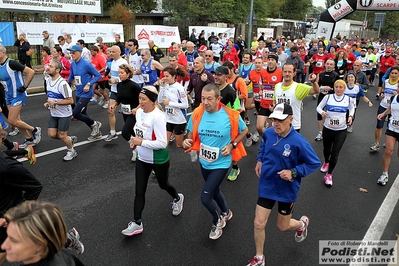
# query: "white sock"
{"points": [[385, 173], [113, 132]]}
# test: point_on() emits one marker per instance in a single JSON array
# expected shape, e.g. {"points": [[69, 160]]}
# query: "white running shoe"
{"points": [[255, 137], [105, 105], [70, 155], [134, 155], [248, 141], [383, 180], [133, 229], [177, 206], [95, 128], [319, 137], [14, 131], [217, 230], [302, 233]]}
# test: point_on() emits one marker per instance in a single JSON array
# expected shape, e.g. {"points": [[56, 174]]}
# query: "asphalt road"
{"points": [[96, 192]]}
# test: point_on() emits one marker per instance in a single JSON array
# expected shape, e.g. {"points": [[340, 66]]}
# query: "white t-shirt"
{"points": [[176, 110], [59, 90], [114, 72], [135, 61]]}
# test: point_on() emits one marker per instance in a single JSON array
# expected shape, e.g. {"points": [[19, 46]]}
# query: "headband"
{"points": [[152, 96]]}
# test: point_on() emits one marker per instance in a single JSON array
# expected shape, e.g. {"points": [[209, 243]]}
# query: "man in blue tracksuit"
{"points": [[284, 158], [83, 74]]}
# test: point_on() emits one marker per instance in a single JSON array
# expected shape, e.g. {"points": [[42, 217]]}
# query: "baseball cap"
{"points": [[75, 48], [388, 50], [364, 50], [222, 70], [281, 111], [203, 48], [294, 49]]}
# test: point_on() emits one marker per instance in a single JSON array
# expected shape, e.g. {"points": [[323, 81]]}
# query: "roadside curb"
{"points": [[35, 90]]}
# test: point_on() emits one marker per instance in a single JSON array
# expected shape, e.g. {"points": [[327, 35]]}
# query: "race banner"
{"points": [[162, 36], [76, 7], [269, 32], [85, 31], [377, 5], [227, 32], [7, 37]]}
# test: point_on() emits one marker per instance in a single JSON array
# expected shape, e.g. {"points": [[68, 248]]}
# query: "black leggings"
{"points": [[143, 171], [332, 144], [127, 130]]}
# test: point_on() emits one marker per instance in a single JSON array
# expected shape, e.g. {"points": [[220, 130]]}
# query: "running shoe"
{"points": [[96, 137], [93, 100], [105, 105], [74, 238], [95, 128], [172, 137], [111, 137], [26, 143], [383, 145], [255, 137], [377, 96], [255, 261], [31, 155], [70, 155], [302, 233], [133, 229], [233, 174], [328, 180], [375, 147], [324, 167], [37, 136], [226, 216], [314, 96], [193, 156], [14, 131], [247, 121], [101, 101], [383, 180], [74, 140], [217, 230], [134, 155], [15, 147], [349, 129], [177, 206], [319, 137], [248, 141]]}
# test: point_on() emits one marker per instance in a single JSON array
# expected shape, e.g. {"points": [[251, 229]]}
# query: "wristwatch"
{"points": [[88, 83], [234, 144], [294, 173]]}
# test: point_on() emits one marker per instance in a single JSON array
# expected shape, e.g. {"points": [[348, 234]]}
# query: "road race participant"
{"points": [[335, 126], [386, 62], [210, 63], [293, 93], [151, 143], [59, 100], [149, 68], [83, 74], [391, 136], [135, 61], [354, 91], [390, 88], [326, 81], [284, 158], [173, 95], [216, 133]]}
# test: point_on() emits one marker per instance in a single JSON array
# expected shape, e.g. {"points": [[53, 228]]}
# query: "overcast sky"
{"points": [[319, 3]]}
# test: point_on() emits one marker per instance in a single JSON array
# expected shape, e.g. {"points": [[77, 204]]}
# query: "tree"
{"points": [[121, 14], [143, 6], [296, 9]]}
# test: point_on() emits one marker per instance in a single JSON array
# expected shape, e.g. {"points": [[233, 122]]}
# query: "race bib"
{"points": [[126, 109], [387, 100], [208, 153], [256, 96], [284, 99], [336, 121], [146, 77], [279, 64], [78, 80], [265, 65], [190, 64], [140, 131], [319, 64], [169, 111], [267, 95], [395, 122]]}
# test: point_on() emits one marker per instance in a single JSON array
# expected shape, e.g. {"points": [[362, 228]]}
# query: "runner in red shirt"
{"points": [[230, 56], [319, 60]]}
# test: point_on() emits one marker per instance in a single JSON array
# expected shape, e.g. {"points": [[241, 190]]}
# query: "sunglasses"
{"points": [[130, 45], [277, 120], [208, 56]]}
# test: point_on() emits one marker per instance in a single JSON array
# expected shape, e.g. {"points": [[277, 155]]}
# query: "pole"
{"points": [[364, 21], [379, 29], [251, 14]]}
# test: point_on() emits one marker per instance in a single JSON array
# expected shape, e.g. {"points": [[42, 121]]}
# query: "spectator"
{"points": [[47, 40], [23, 50]]}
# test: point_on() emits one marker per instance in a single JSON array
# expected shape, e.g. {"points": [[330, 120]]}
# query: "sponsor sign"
{"points": [[162, 36], [7, 33], [269, 32], [389, 5], [56, 6], [227, 32], [325, 29], [85, 31], [340, 10]]}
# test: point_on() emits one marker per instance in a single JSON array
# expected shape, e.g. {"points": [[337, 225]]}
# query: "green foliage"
{"points": [[296, 9], [143, 6], [121, 14]]}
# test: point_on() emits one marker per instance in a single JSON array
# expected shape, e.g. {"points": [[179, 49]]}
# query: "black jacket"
{"points": [[22, 48], [16, 184], [156, 53], [62, 258]]}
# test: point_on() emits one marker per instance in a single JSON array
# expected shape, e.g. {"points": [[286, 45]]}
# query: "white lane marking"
{"points": [[383, 215], [36, 94], [44, 153]]}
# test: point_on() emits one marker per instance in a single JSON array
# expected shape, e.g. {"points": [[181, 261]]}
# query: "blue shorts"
{"points": [[16, 101]]}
